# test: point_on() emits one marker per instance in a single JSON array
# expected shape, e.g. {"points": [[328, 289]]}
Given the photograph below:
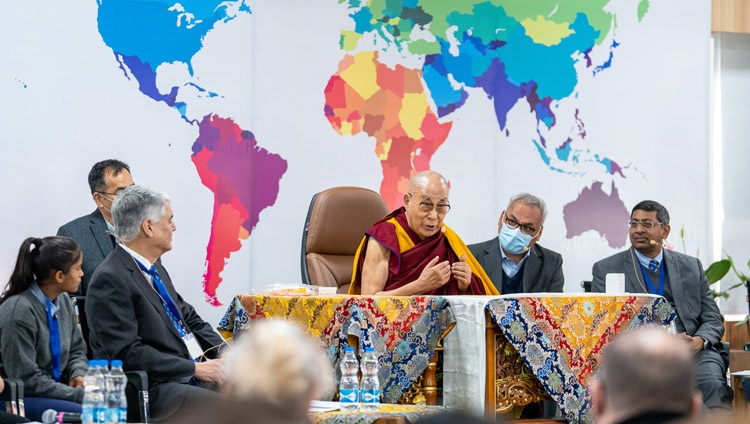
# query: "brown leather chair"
{"points": [[336, 222]]}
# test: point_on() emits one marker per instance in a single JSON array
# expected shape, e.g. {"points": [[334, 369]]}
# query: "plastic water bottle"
{"points": [[349, 386], [93, 395], [117, 403], [105, 413], [370, 384]]}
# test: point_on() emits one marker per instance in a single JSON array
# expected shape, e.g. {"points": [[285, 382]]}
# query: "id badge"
{"points": [[192, 345]]}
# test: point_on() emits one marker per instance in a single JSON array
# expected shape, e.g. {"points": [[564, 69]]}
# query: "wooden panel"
{"points": [[737, 336], [730, 16], [739, 360]]}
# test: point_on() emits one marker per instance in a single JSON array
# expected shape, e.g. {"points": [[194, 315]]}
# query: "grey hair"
{"points": [[531, 200], [277, 362], [134, 205]]}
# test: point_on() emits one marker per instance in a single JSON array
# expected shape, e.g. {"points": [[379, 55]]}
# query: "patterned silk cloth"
{"points": [[403, 330], [560, 338], [408, 413]]}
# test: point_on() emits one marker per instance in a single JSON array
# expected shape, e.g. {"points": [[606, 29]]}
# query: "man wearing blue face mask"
{"points": [[514, 261]]}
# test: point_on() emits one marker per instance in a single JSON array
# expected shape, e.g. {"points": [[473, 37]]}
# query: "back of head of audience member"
{"points": [[277, 363], [646, 372]]}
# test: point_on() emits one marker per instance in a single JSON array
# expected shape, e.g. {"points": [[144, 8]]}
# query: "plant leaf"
{"points": [[717, 270]]}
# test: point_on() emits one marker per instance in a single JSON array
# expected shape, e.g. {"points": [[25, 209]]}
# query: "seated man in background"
{"points": [[137, 316], [514, 260], [411, 251], [646, 376], [93, 232], [648, 268]]}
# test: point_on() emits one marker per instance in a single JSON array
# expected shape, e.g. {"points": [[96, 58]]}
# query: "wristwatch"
{"points": [[706, 343]]}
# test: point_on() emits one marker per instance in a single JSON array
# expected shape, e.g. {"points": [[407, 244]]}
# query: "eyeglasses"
{"points": [[526, 229], [427, 207], [115, 194], [634, 223]]}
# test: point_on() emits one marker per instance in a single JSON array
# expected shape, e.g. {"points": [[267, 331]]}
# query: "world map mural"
{"points": [[406, 67]]}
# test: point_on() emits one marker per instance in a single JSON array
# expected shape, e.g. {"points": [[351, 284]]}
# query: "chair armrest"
{"points": [[13, 396], [139, 381]]}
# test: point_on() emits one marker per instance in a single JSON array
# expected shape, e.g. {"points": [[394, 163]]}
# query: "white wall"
{"points": [[65, 103], [734, 68]]}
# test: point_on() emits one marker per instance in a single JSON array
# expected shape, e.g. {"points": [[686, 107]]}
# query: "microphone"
{"points": [[652, 242], [51, 416]]}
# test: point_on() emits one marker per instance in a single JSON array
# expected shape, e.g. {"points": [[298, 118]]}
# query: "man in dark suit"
{"points": [[648, 268], [137, 316], [514, 260], [92, 232]]}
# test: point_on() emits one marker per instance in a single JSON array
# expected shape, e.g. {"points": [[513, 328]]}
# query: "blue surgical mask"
{"points": [[513, 240]]}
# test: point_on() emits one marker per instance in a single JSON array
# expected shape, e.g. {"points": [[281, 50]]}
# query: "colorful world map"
{"points": [[407, 67]]}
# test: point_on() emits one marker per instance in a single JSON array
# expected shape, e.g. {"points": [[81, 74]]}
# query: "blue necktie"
{"points": [[653, 265], [166, 299], [54, 341]]}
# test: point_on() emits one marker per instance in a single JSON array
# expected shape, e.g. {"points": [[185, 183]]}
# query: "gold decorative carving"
{"points": [[424, 391], [515, 385]]}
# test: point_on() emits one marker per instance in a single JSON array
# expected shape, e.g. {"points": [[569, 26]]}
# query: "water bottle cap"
{"points": [[369, 349], [92, 362], [348, 349], [116, 363]]}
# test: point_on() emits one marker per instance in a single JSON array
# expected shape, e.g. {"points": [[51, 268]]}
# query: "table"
{"points": [[504, 352], [404, 330], [541, 346], [386, 414]]}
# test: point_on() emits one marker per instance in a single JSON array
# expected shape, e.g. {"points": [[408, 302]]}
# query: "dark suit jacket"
{"points": [[542, 268], [90, 232], [693, 301], [127, 321]]}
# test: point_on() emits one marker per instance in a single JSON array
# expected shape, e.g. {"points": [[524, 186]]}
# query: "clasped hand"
{"points": [[210, 370], [435, 274]]}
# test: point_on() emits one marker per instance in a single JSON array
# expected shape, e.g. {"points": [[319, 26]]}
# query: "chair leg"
{"points": [[143, 401]]}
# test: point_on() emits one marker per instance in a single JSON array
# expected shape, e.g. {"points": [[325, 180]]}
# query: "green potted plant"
{"points": [[718, 270]]}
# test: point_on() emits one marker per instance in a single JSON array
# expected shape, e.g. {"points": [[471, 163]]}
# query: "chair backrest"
{"points": [[336, 222], [136, 390]]}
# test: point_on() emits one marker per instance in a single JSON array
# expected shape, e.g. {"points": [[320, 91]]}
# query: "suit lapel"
{"points": [[675, 281], [492, 262], [531, 269], [98, 227], [146, 288], [633, 279]]}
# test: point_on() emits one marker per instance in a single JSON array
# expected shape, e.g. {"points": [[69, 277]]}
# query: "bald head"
{"points": [[647, 369], [421, 180]]}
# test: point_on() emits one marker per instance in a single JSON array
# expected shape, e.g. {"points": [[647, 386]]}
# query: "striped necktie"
{"points": [[653, 265]]}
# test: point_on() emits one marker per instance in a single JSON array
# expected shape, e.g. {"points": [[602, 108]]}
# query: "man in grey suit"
{"points": [[680, 278], [514, 260], [137, 316], [92, 232]]}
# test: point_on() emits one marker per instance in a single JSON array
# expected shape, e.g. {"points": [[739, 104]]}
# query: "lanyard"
{"points": [[651, 288], [166, 299]]}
